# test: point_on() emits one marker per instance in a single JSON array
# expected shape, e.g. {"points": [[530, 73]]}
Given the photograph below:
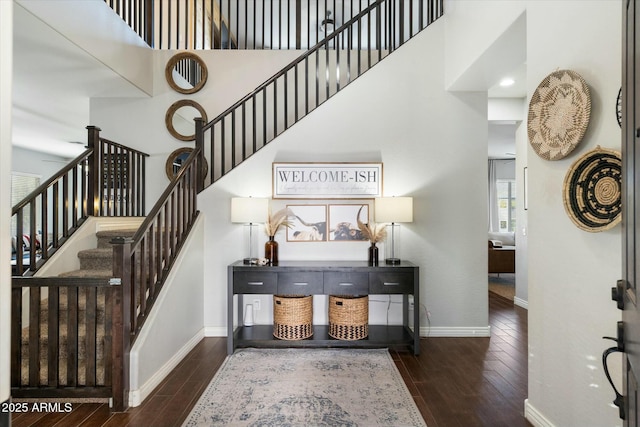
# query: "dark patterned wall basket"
{"points": [[348, 317], [292, 317], [592, 190], [559, 113]]}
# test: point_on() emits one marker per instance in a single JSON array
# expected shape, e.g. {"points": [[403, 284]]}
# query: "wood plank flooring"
{"points": [[456, 382]]}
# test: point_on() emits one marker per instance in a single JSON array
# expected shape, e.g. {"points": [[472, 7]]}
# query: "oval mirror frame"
{"points": [[196, 61], [182, 154], [168, 118]]}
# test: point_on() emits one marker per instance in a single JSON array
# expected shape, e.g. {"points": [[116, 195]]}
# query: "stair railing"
{"points": [[59, 355], [248, 24], [310, 80], [143, 261], [107, 179]]}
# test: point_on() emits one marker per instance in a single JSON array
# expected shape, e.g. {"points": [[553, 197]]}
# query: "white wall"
{"points": [[174, 325], [432, 144], [522, 219], [433, 147], [484, 37], [140, 122], [93, 26], [6, 65], [571, 271]]}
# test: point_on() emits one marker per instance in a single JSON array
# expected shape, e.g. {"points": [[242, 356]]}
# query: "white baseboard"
{"points": [[445, 331], [136, 397], [425, 331], [215, 331], [521, 303], [534, 416]]}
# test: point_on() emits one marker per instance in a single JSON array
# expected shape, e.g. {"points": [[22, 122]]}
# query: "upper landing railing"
{"points": [[259, 24]]}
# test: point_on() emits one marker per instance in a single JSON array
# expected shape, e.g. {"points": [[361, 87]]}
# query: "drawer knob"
{"points": [[255, 283]]}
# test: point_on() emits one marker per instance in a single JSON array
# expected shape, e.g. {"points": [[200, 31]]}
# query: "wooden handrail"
{"points": [[107, 179]]}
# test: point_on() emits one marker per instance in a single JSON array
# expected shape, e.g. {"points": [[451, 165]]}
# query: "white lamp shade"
{"points": [[394, 209], [248, 210]]}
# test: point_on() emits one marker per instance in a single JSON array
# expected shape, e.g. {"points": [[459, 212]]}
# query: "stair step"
{"points": [[99, 273], [96, 259], [105, 236]]}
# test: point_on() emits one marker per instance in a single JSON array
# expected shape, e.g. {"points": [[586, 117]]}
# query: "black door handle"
{"points": [[617, 293], [619, 348]]}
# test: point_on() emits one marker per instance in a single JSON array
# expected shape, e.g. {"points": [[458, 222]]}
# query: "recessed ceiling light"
{"points": [[506, 82]]}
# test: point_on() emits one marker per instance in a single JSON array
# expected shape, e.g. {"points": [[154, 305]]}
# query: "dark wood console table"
{"points": [[324, 278]]}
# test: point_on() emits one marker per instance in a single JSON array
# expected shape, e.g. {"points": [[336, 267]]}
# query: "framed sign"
{"points": [[327, 180]]}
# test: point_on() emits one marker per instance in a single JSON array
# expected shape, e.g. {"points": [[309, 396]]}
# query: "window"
{"points": [[506, 204], [21, 186]]}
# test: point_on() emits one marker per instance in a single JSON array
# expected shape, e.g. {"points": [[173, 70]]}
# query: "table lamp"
{"points": [[249, 211], [393, 210]]}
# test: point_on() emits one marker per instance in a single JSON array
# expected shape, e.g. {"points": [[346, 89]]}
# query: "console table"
{"points": [[323, 278]]}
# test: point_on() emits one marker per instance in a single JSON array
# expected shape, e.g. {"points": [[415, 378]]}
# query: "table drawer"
{"points": [[336, 283], [302, 283], [391, 283], [258, 282]]}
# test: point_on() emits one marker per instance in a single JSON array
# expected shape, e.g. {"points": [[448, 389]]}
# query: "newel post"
{"points": [[199, 144], [93, 179], [121, 316]]}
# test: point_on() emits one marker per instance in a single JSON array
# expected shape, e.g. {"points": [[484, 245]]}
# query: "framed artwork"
{"points": [[343, 222], [327, 180], [309, 223]]}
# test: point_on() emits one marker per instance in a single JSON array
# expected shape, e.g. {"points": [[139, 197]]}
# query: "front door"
{"points": [[627, 290]]}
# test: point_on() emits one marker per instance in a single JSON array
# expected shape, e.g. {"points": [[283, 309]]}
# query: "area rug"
{"points": [[306, 387], [503, 284]]}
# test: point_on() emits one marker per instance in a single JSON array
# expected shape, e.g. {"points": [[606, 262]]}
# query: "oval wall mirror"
{"points": [[179, 119], [186, 72], [176, 160]]}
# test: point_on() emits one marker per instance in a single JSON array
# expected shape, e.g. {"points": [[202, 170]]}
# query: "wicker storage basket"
{"points": [[348, 317], [292, 317]]}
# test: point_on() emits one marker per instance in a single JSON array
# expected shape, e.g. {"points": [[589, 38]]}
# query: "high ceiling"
{"points": [[54, 80]]}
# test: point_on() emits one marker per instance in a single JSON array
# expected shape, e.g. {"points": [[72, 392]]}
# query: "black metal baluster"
{"points": [[223, 144], [255, 125], [244, 131], [233, 138]]}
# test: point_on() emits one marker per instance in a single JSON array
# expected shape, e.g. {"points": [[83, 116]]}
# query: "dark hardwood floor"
{"points": [[456, 382]]}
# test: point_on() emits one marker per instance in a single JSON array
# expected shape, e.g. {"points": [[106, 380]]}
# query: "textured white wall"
{"points": [[572, 271]]}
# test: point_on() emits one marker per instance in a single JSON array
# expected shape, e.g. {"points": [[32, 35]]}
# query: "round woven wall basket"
{"points": [[292, 317], [592, 190], [559, 113], [348, 317]]}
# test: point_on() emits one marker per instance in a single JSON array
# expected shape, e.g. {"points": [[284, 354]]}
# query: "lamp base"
{"points": [[250, 261], [392, 261]]}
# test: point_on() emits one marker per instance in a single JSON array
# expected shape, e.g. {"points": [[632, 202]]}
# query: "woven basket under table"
{"points": [[292, 317], [348, 317]]}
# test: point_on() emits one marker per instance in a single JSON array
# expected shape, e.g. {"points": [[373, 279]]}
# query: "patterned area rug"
{"points": [[306, 387]]}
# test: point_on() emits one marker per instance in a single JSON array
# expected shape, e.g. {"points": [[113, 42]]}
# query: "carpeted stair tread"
{"points": [[104, 237], [96, 259], [87, 273]]}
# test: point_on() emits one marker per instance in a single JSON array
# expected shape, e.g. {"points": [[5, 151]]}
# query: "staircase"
{"points": [[98, 262], [94, 263], [71, 334]]}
